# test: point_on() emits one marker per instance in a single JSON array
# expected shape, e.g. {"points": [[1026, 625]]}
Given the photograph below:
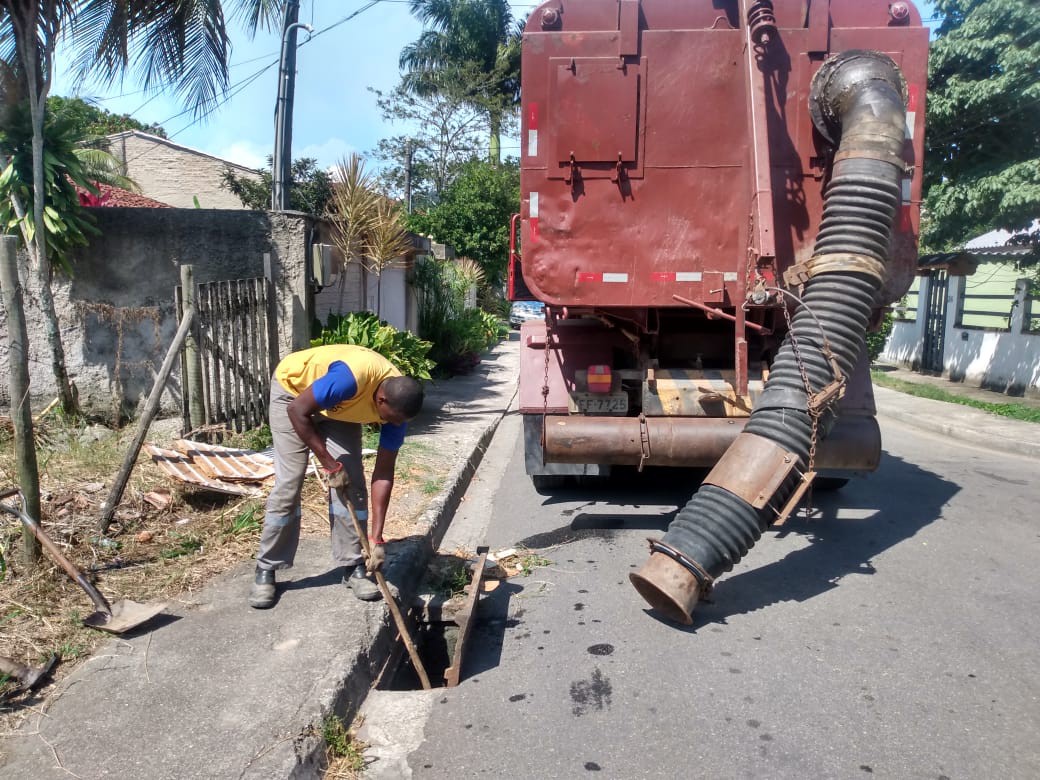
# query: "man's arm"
{"points": [[301, 411], [382, 486]]}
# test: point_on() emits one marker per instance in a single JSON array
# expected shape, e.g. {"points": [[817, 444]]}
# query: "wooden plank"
{"points": [[464, 620]]}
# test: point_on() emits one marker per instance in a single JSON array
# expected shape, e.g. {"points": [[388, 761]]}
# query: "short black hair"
{"points": [[404, 394]]}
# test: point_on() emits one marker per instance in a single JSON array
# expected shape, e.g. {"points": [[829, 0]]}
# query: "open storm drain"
{"points": [[439, 642]]}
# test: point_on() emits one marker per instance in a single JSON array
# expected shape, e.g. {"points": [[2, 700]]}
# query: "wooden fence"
{"points": [[233, 348]]}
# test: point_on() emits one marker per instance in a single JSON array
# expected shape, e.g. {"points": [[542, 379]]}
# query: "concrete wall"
{"points": [[1007, 361], [117, 312], [176, 174]]}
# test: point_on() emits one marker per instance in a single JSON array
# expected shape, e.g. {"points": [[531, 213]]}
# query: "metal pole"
{"points": [[281, 166], [409, 151], [21, 413]]}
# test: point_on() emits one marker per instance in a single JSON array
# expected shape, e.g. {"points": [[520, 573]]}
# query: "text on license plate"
{"points": [[601, 403]]}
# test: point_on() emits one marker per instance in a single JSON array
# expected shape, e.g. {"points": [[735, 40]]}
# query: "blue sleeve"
{"points": [[337, 386], [391, 436]]}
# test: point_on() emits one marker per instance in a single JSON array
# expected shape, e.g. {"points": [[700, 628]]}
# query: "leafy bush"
{"points": [[459, 334], [876, 340], [405, 350]]}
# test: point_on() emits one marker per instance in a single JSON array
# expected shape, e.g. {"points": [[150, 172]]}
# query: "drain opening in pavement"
{"points": [[435, 643]]}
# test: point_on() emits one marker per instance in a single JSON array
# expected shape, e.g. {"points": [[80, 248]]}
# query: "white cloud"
{"points": [[245, 153]]}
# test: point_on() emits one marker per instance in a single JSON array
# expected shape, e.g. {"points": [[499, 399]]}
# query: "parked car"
{"points": [[522, 311]]}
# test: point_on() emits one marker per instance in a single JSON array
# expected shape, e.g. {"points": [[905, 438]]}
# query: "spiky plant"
{"points": [[352, 209]]}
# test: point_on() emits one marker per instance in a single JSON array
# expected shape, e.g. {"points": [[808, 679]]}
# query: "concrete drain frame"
{"points": [[441, 643]]}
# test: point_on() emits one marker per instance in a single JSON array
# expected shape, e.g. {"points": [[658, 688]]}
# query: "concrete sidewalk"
{"points": [[964, 423], [214, 689]]}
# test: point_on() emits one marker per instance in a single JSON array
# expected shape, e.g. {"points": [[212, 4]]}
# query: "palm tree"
{"points": [[472, 48], [178, 44]]}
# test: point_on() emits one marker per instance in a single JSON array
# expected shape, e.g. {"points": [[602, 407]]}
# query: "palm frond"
{"points": [[386, 239]]}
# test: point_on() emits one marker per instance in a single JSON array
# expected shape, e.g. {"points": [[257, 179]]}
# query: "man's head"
{"points": [[399, 399]]}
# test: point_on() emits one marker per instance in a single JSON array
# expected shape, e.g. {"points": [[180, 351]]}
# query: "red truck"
{"points": [[718, 199]]}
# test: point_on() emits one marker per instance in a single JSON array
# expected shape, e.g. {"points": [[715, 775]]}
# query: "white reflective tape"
{"points": [[688, 276], [906, 189], [911, 123], [534, 205], [532, 143], [615, 277], [730, 276]]}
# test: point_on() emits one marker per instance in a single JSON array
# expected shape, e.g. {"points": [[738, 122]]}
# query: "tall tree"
{"points": [[471, 49], [310, 189], [442, 134], [982, 148], [178, 44], [89, 120], [473, 215]]}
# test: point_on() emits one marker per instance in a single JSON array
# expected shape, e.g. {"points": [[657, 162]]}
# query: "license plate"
{"points": [[600, 403]]}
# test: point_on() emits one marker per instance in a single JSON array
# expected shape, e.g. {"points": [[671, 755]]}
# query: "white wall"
{"points": [[1006, 361]]}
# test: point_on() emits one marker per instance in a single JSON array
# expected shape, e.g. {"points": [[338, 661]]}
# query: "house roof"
{"points": [[996, 246], [117, 197], [181, 147]]}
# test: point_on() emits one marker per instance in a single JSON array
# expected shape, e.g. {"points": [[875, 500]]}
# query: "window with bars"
{"points": [[905, 310], [988, 298]]}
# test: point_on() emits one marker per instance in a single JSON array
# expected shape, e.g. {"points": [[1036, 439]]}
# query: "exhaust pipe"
{"points": [[858, 96]]}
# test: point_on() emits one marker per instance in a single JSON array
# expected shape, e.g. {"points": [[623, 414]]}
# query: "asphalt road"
{"points": [[894, 635]]}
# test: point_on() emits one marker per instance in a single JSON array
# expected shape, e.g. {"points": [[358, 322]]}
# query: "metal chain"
{"points": [[814, 416]]}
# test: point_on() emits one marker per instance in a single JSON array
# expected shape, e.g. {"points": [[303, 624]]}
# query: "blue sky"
{"points": [[334, 113]]}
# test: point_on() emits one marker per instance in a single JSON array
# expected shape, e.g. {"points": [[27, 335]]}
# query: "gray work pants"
{"points": [[281, 534]]}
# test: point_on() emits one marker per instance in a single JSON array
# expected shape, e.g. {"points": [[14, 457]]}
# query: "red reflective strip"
{"points": [[534, 228], [662, 276], [532, 116], [587, 277], [912, 97]]}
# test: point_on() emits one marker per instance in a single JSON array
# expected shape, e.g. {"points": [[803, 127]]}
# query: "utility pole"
{"points": [[21, 414], [409, 151], [281, 167]]}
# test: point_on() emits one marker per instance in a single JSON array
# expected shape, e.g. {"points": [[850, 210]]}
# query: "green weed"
{"points": [[342, 745], [183, 544], [528, 563], [248, 521], [1012, 410]]}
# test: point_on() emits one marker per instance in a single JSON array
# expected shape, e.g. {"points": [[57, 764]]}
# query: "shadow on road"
{"points": [[903, 497]]}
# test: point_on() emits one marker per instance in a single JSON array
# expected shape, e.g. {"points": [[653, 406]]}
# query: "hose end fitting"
{"points": [[668, 587]]}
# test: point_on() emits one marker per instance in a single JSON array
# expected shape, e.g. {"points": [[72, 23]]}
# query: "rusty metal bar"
{"points": [[711, 312], [464, 619], [853, 444], [762, 197]]}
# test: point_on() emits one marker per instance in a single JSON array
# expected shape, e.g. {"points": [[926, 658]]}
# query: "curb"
{"points": [[987, 441], [344, 694]]}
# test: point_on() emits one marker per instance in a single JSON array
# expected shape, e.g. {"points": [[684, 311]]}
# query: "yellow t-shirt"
{"points": [[300, 370]]}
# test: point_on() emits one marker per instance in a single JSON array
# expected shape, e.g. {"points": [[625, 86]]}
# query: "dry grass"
{"points": [[149, 554]]}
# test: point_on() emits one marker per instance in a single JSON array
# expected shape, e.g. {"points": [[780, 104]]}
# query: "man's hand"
{"points": [[337, 477], [376, 556]]}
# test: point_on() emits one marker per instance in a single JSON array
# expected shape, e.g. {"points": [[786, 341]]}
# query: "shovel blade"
{"points": [[125, 616]]}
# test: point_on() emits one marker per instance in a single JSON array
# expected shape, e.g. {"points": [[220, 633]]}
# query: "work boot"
{"points": [[357, 580], [261, 595]]}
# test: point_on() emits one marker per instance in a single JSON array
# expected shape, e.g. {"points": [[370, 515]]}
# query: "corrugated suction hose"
{"points": [[859, 96]]}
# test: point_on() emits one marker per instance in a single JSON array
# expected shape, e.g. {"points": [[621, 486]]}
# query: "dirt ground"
{"points": [[166, 542]]}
